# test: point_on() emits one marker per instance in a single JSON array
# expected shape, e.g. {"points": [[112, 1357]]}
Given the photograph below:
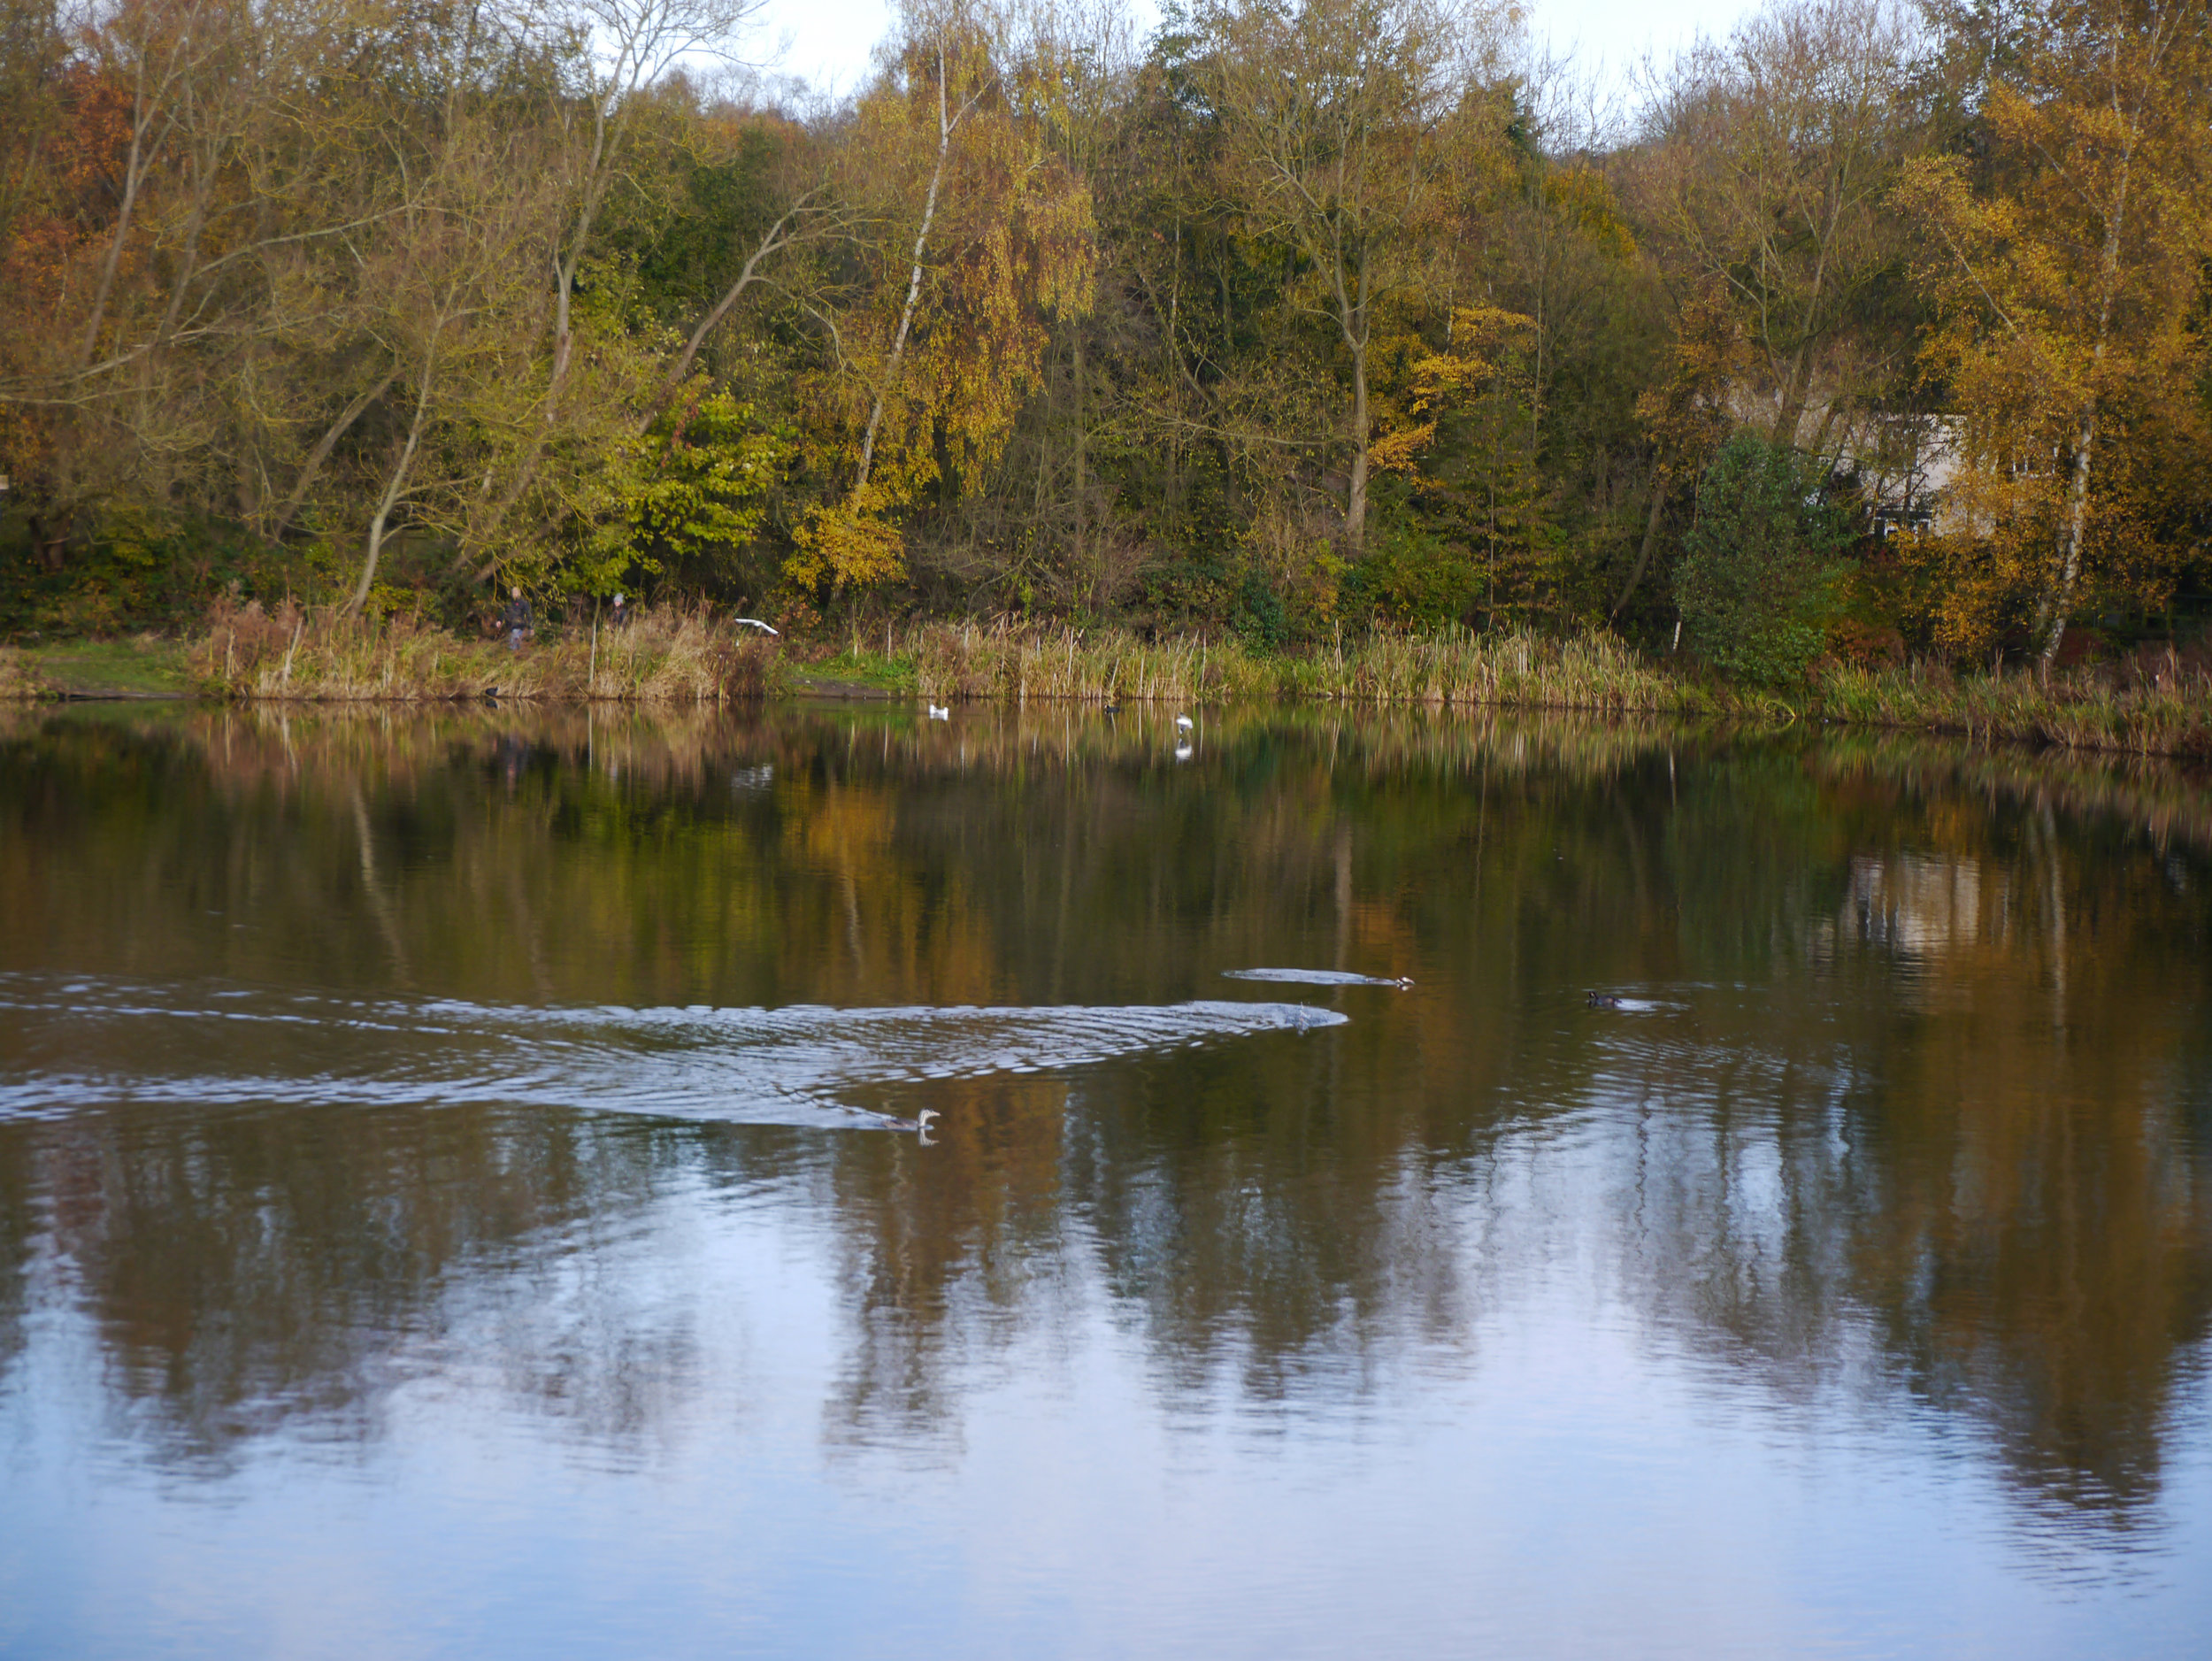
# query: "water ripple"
{"points": [[162, 1042]]}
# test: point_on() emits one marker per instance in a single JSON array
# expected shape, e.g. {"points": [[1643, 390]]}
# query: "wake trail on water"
{"points": [[1312, 977], [68, 1043]]}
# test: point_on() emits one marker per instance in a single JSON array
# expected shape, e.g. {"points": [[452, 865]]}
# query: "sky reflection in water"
{"points": [[1849, 1299]]}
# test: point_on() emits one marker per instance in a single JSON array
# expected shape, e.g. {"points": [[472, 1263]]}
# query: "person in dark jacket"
{"points": [[515, 619]]}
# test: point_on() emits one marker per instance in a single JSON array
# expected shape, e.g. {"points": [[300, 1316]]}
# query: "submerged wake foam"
{"points": [[68, 1045]]}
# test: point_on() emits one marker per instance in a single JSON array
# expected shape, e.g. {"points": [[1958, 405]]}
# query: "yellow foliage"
{"points": [[2066, 271], [1580, 194], [1010, 246], [1437, 380], [1400, 452], [848, 544]]}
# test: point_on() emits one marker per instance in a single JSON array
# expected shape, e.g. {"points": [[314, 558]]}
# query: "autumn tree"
{"points": [[1349, 130], [981, 234], [1764, 179], [33, 53], [455, 304], [201, 159], [607, 56], [2069, 265]]}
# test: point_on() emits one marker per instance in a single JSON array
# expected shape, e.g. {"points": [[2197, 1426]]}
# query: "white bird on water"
{"points": [[938, 713], [1183, 723], [919, 1125]]}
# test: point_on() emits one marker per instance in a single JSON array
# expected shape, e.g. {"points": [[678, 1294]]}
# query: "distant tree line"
{"points": [[1870, 330]]}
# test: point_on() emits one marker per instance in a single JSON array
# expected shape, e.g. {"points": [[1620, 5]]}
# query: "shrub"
{"points": [[1758, 579], [1408, 577]]}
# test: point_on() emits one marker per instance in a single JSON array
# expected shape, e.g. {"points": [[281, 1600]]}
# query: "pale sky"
{"points": [[829, 40]]}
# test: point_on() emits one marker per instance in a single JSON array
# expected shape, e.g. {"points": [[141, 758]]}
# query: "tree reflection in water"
{"points": [[1922, 1104]]}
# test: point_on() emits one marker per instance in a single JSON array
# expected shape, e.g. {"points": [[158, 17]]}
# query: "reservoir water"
{"points": [[1384, 1185]]}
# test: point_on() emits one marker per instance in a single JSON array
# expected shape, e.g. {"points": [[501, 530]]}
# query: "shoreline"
{"points": [[675, 660]]}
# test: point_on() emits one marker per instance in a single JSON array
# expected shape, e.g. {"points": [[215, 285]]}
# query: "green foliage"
{"points": [[857, 665], [1410, 577], [1758, 580], [137, 570], [695, 495], [723, 202], [1261, 619]]}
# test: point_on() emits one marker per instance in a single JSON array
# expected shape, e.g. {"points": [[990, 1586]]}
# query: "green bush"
{"points": [[1758, 581], [1409, 577]]}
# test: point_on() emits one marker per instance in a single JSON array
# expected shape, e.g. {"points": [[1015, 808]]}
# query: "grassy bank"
{"points": [[2084, 709], [144, 666], [679, 657], [665, 656]]}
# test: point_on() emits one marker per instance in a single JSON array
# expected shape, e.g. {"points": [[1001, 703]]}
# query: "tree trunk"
{"points": [[1355, 500], [1791, 415], [2061, 600], [1354, 318], [1651, 540], [112, 260], [945, 125], [566, 262], [315, 457], [1798, 385], [395, 485], [51, 550], [777, 238], [1079, 445]]}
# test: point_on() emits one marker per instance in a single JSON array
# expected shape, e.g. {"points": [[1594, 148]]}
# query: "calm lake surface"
{"points": [[451, 1199]]}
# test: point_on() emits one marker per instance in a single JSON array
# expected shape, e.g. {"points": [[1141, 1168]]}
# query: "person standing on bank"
{"points": [[621, 619], [515, 619]]}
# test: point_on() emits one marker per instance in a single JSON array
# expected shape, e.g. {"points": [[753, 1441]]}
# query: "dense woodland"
{"points": [[1864, 331]]}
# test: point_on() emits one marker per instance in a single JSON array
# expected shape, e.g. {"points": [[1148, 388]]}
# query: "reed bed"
{"points": [[2168, 715], [2171, 715], [1457, 668], [663, 657], [675, 656], [1454, 668]]}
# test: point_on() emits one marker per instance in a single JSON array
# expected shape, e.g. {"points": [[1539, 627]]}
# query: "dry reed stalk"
{"points": [[671, 658]]}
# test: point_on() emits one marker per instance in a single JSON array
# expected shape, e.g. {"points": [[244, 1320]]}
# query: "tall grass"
{"points": [[1453, 668], [663, 657], [679, 656], [2171, 715]]}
